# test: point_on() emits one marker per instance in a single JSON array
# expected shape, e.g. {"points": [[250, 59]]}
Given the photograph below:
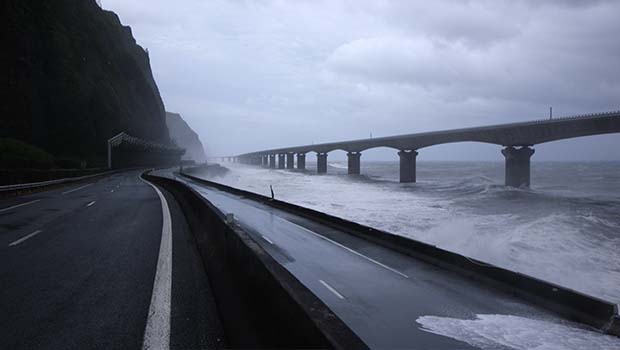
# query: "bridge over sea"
{"points": [[517, 141]]}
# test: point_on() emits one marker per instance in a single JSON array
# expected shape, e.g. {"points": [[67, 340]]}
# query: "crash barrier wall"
{"points": [[11, 177], [260, 303], [566, 302], [12, 190]]}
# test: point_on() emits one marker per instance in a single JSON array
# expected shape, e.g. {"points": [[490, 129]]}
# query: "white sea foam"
{"points": [[338, 165], [565, 240], [516, 332]]}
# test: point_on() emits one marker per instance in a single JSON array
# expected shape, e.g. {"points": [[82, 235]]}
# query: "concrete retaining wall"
{"points": [[261, 304], [568, 303]]}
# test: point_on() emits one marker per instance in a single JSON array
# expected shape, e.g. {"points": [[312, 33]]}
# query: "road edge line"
{"points": [[157, 330]]}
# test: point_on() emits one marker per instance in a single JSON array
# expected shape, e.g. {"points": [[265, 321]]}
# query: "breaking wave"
{"points": [[566, 229]]}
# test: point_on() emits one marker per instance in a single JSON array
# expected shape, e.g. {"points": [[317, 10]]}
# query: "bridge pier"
{"points": [[321, 163], [290, 160], [265, 161], [353, 160], [281, 161], [517, 165], [272, 161], [407, 165], [301, 161]]}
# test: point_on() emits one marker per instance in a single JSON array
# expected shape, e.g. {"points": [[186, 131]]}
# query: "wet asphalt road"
{"points": [[77, 269], [379, 293]]}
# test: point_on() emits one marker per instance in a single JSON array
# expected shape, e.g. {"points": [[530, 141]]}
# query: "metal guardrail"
{"points": [[33, 185]]}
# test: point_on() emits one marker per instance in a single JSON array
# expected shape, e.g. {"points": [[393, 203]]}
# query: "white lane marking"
{"points": [[76, 189], [91, 203], [19, 205], [331, 289], [111, 190], [25, 238], [267, 239], [356, 252], [157, 331]]}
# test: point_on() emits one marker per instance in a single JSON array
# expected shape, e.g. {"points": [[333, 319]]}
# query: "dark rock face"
{"points": [[185, 137], [74, 77]]}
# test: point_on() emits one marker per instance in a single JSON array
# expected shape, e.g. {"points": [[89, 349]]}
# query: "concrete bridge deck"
{"points": [[517, 140]]}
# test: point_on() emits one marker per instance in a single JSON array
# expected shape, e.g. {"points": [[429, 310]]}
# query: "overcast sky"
{"points": [[251, 75]]}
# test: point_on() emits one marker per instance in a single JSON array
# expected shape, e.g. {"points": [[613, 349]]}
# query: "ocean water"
{"points": [[565, 229]]}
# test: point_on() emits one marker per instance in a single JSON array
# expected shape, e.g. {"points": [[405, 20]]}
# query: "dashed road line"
{"points": [[25, 238], [89, 204], [19, 205], [76, 189], [267, 239], [331, 289]]}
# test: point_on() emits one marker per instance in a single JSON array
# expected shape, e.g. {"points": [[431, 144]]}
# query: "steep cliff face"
{"points": [[185, 137], [75, 77]]}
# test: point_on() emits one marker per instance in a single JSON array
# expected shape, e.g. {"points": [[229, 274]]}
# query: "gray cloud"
{"points": [[249, 75]]}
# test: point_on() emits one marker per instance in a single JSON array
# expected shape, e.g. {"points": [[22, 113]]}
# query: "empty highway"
{"points": [[78, 268]]}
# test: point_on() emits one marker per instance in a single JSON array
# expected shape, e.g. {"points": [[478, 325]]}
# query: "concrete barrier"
{"points": [[566, 302], [261, 304]]}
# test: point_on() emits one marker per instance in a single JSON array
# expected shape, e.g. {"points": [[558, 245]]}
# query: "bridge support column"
{"points": [[281, 161], [408, 165], [353, 163], [321, 163], [265, 161], [290, 160], [272, 161], [301, 161], [517, 165]]}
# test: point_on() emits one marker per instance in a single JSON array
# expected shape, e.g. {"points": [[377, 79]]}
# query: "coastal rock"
{"points": [[185, 137]]}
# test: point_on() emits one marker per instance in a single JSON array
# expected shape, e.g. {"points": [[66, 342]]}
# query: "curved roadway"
{"points": [[78, 265]]}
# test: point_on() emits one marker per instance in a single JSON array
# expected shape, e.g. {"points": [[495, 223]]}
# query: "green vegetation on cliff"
{"points": [[17, 154]]}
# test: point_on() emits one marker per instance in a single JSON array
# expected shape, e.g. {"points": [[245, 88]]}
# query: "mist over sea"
{"points": [[565, 229]]}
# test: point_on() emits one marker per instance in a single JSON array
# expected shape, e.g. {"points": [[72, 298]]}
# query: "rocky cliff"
{"points": [[185, 137], [74, 77]]}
